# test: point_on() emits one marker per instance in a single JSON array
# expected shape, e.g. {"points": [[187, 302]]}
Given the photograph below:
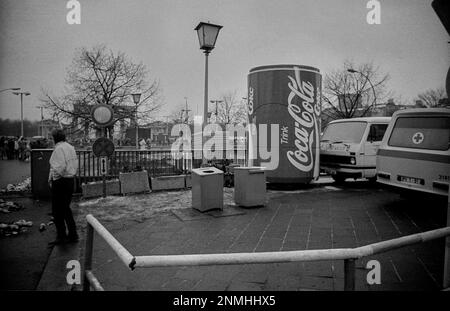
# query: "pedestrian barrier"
{"points": [[156, 162], [349, 255]]}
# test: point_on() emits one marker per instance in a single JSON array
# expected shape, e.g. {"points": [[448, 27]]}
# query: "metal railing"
{"points": [[155, 162], [349, 255]]}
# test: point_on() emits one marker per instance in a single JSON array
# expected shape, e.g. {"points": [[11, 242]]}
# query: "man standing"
{"points": [[63, 167]]}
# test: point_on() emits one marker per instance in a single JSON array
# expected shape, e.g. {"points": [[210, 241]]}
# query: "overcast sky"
{"points": [[37, 44]]}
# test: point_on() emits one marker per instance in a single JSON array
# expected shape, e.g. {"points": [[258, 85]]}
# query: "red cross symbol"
{"points": [[418, 138]]}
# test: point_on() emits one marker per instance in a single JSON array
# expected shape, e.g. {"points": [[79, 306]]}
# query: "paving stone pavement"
{"points": [[338, 217]]}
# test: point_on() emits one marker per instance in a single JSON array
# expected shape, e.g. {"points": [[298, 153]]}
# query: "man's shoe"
{"points": [[57, 242], [73, 239]]}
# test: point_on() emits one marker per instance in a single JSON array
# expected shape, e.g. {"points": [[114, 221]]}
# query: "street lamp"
{"points": [[207, 36], [374, 103], [21, 108], [136, 100], [186, 119], [42, 119], [11, 89], [217, 102]]}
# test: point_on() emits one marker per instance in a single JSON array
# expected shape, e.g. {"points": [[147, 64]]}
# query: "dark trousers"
{"points": [[62, 190]]}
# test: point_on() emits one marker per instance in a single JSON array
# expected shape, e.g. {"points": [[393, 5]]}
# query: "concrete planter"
{"points": [[168, 182], [95, 189], [188, 181], [134, 182]]}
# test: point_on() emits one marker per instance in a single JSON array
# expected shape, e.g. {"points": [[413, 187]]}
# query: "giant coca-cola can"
{"points": [[284, 116]]}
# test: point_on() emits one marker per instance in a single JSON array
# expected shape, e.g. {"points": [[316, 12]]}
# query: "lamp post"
{"points": [[207, 36], [217, 102], [42, 119], [186, 110], [374, 102], [136, 100], [21, 108]]}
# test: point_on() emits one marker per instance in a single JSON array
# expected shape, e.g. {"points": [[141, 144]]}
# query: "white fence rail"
{"points": [[349, 255]]}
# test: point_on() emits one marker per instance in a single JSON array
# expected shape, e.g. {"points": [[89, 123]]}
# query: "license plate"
{"points": [[411, 180]]}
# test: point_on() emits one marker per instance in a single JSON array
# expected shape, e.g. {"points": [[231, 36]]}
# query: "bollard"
{"points": [[446, 279], [88, 256], [349, 274]]}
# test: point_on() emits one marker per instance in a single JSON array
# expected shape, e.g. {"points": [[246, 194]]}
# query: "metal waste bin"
{"points": [[250, 186], [40, 168], [207, 189]]}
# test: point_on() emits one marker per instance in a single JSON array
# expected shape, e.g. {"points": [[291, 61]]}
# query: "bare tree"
{"points": [[434, 97], [231, 109], [353, 90], [179, 115], [99, 75]]}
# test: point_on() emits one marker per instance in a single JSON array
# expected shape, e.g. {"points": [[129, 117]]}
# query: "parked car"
{"points": [[348, 147]]}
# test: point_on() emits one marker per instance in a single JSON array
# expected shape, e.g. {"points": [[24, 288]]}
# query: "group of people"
{"points": [[144, 144], [15, 148]]}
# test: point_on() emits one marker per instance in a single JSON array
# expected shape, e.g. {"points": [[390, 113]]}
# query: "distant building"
{"points": [[156, 133], [159, 132], [47, 126]]}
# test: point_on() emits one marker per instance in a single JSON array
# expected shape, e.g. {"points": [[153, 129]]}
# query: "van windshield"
{"points": [[348, 132], [421, 133]]}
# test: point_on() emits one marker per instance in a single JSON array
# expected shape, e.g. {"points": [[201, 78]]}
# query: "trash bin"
{"points": [[249, 186], [207, 189], [40, 168]]}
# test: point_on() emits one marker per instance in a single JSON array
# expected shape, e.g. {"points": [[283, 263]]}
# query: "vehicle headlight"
{"points": [[352, 161]]}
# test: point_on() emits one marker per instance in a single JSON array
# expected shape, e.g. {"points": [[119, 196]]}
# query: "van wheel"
{"points": [[338, 178]]}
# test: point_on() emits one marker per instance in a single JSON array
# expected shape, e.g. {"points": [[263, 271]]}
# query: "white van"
{"points": [[415, 152], [348, 147]]}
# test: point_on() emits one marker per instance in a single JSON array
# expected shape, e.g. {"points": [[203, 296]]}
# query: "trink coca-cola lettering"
{"points": [[306, 125]]}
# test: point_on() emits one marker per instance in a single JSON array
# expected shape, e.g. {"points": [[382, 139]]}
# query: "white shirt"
{"points": [[63, 162], [143, 144]]}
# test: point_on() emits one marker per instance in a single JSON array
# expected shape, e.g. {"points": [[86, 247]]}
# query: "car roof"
{"points": [[423, 112], [364, 119]]}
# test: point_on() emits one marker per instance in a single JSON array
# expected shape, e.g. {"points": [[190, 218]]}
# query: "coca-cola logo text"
{"points": [[250, 101], [305, 114]]}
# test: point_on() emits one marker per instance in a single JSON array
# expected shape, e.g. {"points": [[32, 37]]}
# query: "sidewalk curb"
{"points": [[54, 276]]}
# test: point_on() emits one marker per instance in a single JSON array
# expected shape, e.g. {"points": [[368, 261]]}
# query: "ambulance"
{"points": [[415, 152]]}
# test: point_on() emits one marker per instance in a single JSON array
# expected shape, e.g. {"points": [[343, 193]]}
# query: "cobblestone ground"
{"points": [[351, 215]]}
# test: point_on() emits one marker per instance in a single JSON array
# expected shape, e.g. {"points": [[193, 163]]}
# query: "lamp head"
{"points": [[207, 35]]}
